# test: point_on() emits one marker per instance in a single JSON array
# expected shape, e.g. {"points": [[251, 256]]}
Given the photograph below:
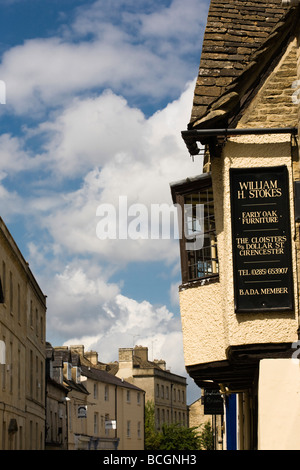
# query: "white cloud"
{"points": [[170, 23], [76, 297], [98, 138], [134, 54], [13, 156], [135, 160], [133, 322], [89, 133], [133, 156]]}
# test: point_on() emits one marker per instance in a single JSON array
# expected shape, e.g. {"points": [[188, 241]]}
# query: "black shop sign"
{"points": [[261, 239], [213, 402]]}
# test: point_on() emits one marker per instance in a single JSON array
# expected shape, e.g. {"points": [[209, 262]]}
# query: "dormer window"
{"points": [[198, 241], [77, 374], [68, 370]]}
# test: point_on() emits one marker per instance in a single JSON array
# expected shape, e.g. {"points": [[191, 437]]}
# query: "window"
{"points": [[3, 280], [128, 396], [42, 381], [42, 328], [128, 431], [31, 314], [36, 321], [19, 373], [106, 427], [77, 374], [198, 241], [106, 393], [96, 423], [19, 303], [68, 370], [31, 373], [11, 292], [11, 367]]}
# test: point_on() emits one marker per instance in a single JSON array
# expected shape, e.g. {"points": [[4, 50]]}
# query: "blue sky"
{"points": [[97, 93]]}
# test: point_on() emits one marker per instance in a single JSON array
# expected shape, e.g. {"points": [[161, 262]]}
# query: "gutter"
{"points": [[203, 135]]}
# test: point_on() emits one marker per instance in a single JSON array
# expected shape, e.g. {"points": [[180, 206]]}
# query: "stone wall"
{"points": [[274, 105]]}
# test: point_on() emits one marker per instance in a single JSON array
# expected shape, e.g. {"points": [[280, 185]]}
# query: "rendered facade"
{"points": [[240, 247]]}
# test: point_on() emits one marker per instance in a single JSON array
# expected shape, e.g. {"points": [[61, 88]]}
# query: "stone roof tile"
{"points": [[235, 30]]}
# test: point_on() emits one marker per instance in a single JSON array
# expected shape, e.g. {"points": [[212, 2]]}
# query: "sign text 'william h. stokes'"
{"points": [[261, 238]]}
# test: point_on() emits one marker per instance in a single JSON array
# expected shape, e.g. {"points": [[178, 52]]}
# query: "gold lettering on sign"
{"points": [[260, 217], [259, 189], [266, 291], [261, 239], [261, 246]]}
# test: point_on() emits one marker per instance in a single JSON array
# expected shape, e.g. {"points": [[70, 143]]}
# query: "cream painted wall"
{"points": [[279, 405], [209, 321], [254, 151]]}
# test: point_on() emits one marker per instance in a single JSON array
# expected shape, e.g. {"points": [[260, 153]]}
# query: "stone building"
{"points": [[165, 389], [98, 412], [240, 246], [23, 351], [199, 417], [56, 437]]}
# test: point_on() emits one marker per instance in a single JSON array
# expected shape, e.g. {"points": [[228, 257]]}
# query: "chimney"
{"points": [[141, 352], [161, 363], [125, 354], [79, 349], [92, 356]]}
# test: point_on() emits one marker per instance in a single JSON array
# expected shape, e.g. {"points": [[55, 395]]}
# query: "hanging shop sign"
{"points": [[111, 424], [213, 402], [81, 411], [261, 239]]}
